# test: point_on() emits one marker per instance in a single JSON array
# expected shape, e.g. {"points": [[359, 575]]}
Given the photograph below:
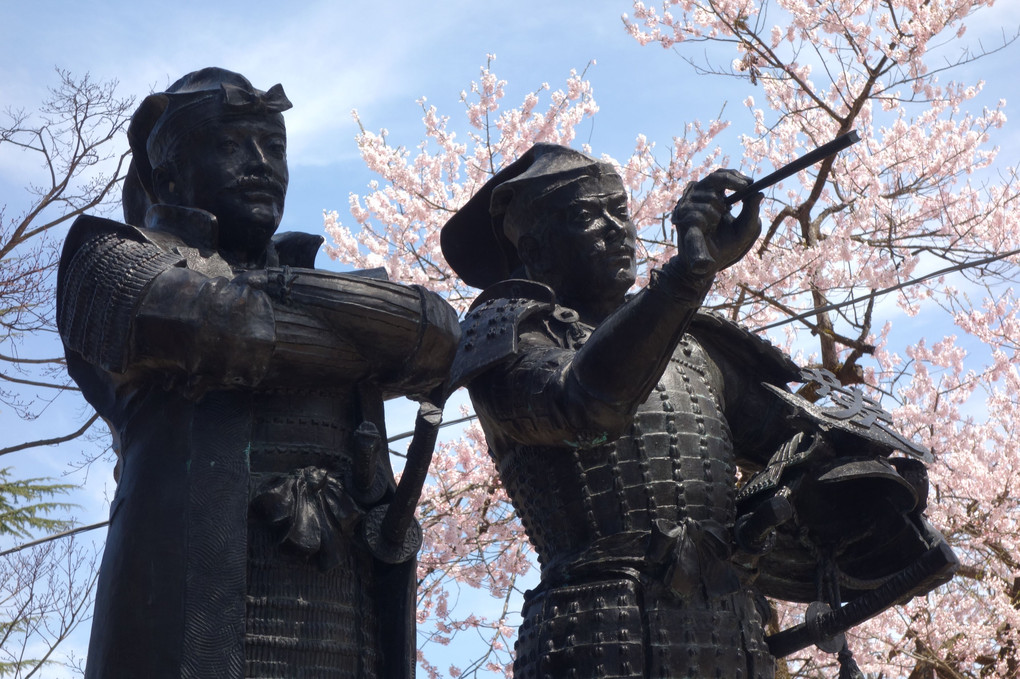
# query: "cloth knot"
{"points": [[308, 508], [693, 554], [239, 99]]}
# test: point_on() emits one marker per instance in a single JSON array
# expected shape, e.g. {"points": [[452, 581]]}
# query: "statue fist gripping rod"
{"points": [[709, 238]]}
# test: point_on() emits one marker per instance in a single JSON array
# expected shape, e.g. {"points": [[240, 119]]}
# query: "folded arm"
{"points": [[129, 306]]}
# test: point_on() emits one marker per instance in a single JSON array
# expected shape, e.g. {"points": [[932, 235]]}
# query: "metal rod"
{"points": [[940, 559], [824, 151]]}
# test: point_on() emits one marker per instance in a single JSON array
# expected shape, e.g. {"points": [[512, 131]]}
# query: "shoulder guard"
{"points": [[296, 248], [743, 349], [489, 331], [87, 227], [104, 269]]}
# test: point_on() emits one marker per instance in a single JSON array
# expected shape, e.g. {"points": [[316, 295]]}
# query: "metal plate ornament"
{"points": [[849, 414], [382, 548]]}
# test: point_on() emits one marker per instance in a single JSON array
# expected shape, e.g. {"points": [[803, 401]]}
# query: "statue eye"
{"points": [[227, 146], [619, 209], [278, 148], [581, 215]]}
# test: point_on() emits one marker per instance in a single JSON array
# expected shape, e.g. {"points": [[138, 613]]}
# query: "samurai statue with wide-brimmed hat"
{"points": [[618, 421], [245, 391]]}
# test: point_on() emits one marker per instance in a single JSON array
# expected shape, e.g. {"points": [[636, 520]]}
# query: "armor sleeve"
{"points": [[100, 286], [299, 326], [211, 330], [550, 393], [404, 337], [127, 304], [527, 399]]}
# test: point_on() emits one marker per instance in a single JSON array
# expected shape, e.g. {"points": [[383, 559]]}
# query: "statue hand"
{"points": [[257, 279], [755, 532], [709, 238], [276, 282]]}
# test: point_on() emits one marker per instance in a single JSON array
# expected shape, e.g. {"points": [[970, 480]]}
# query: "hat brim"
{"points": [[476, 250], [142, 122]]}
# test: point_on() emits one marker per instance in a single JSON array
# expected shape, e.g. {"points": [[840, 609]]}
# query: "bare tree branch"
{"points": [[53, 441]]}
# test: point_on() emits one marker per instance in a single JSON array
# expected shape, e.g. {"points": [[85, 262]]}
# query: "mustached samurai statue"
{"points": [[245, 393], [618, 422]]}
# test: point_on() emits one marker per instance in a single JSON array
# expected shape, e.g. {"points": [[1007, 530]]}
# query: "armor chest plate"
{"points": [[295, 428], [676, 461]]}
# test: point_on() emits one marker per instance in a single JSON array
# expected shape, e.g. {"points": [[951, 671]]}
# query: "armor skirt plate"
{"points": [[621, 629]]}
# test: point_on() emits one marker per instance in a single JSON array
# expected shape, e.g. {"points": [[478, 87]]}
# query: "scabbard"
{"points": [[897, 589]]}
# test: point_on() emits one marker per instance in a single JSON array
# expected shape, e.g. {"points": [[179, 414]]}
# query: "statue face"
{"points": [[235, 168], [585, 242]]}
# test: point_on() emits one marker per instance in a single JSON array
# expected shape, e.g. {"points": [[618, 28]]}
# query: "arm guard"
{"points": [[404, 337], [104, 272]]}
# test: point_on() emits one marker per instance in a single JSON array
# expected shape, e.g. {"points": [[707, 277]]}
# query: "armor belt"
{"points": [[296, 428], [683, 558], [620, 629]]}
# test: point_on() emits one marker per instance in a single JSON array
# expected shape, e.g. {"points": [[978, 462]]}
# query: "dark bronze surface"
{"points": [[245, 393], [618, 424]]}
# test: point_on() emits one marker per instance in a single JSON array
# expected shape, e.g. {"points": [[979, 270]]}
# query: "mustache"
{"points": [[258, 183]]}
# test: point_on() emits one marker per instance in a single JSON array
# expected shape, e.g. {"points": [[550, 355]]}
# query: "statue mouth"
{"points": [[624, 252], [261, 195]]}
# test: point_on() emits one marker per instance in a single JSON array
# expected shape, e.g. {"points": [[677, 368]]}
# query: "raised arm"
{"points": [[551, 392]]}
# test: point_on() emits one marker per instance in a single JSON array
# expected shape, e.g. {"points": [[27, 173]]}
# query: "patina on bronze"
{"points": [[245, 392], [617, 423]]}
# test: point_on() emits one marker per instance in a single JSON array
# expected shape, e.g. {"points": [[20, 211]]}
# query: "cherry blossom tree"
{"points": [[915, 227], [912, 199]]}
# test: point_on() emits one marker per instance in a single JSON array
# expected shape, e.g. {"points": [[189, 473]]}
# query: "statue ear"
{"points": [[164, 184], [530, 250]]}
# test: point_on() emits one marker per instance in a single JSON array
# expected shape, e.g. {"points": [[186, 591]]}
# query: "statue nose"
{"points": [[616, 228], [258, 156]]}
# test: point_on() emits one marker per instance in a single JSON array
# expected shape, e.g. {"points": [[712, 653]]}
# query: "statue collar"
{"points": [[516, 288], [197, 228]]}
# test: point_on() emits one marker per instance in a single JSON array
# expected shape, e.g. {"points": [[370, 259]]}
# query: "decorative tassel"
{"points": [[848, 668]]}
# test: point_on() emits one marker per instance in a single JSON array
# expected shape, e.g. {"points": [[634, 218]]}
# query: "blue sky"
{"points": [[378, 57], [332, 57]]}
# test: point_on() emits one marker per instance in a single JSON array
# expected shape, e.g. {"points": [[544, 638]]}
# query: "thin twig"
{"points": [[884, 291], [55, 536], [53, 441]]}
